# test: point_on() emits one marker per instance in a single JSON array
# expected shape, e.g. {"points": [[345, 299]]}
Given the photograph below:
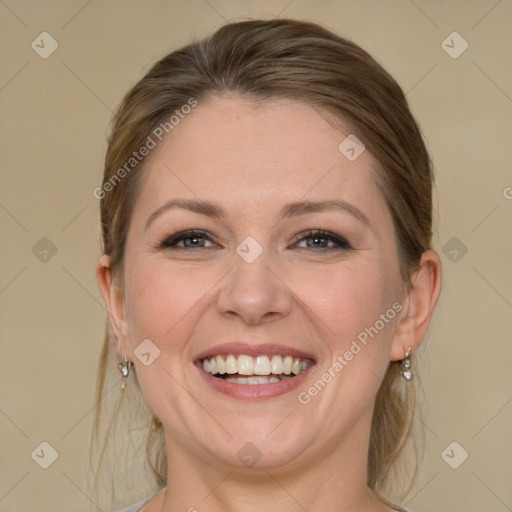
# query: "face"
{"points": [[252, 230]]}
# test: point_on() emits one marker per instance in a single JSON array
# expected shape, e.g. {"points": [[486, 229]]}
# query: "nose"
{"points": [[254, 293]]}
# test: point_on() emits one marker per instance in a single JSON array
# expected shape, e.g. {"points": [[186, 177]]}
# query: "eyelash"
{"points": [[341, 243], [171, 241]]}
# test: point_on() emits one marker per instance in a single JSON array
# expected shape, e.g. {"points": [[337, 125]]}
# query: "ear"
{"points": [[418, 306], [113, 298]]}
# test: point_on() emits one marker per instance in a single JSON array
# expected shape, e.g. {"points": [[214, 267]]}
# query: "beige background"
{"points": [[54, 114]]}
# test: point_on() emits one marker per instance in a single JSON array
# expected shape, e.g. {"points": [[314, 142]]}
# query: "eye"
{"points": [[190, 239], [318, 239]]}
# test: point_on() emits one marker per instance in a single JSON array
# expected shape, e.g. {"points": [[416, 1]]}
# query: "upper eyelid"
{"points": [[318, 232], [188, 233], [200, 233], [322, 233]]}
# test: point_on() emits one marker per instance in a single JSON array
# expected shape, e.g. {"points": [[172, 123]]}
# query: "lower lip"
{"points": [[253, 391]]}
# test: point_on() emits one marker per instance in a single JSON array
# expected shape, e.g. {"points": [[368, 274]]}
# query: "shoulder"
{"points": [[135, 507], [391, 505]]}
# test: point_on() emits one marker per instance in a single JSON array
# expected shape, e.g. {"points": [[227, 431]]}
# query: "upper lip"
{"points": [[263, 349]]}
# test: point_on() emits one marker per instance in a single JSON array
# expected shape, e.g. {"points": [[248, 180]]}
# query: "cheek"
{"points": [[160, 298], [347, 303], [164, 304]]}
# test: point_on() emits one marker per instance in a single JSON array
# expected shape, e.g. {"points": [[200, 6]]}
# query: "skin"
{"points": [[252, 159]]}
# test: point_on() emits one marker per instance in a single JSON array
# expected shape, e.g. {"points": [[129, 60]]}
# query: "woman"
{"points": [[267, 218]]}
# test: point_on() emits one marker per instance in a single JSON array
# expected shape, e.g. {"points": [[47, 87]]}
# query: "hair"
{"points": [[262, 60]]}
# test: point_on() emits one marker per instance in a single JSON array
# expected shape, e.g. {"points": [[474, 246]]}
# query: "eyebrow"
{"points": [[206, 208], [210, 209], [303, 207]]}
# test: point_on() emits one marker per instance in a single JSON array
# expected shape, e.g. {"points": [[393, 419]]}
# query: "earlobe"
{"points": [[113, 299], [418, 305]]}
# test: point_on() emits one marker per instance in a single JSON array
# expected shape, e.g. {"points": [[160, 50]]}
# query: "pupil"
{"points": [[195, 241], [317, 242]]}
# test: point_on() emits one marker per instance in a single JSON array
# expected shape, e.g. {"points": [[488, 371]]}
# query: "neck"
{"points": [[330, 477]]}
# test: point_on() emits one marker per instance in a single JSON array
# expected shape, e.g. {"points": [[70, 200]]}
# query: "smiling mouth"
{"points": [[244, 369]]}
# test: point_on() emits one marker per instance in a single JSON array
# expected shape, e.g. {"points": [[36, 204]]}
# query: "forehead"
{"points": [[238, 151]]}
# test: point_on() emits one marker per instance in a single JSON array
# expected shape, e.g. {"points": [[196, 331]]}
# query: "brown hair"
{"points": [[301, 61]]}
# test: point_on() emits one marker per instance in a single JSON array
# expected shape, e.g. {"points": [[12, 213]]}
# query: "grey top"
{"points": [[392, 505], [137, 506]]}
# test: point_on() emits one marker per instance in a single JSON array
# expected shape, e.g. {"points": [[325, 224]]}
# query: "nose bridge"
{"points": [[252, 290]]}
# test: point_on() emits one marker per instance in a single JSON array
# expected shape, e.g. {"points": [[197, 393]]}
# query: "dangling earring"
{"points": [[406, 372], [124, 367]]}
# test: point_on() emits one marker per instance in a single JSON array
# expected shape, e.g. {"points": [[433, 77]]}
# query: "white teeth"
{"points": [[245, 365], [287, 365], [238, 380], [261, 366], [255, 380], [220, 365], [213, 365], [296, 366], [231, 365], [277, 364]]}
